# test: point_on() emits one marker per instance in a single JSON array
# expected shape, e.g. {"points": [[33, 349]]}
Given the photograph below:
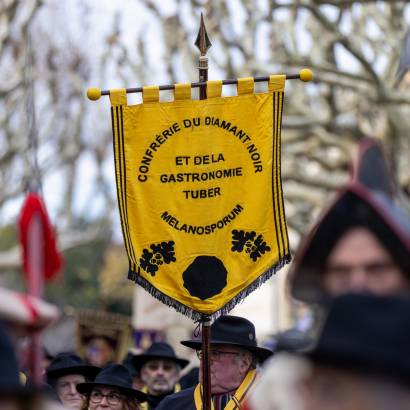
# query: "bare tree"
{"points": [[353, 48], [44, 119]]}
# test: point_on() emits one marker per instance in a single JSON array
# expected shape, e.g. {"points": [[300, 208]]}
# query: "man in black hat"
{"points": [[64, 373], [362, 241], [160, 369], [234, 356], [360, 361]]}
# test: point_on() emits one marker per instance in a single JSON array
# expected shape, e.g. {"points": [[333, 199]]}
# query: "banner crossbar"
{"points": [[304, 75]]}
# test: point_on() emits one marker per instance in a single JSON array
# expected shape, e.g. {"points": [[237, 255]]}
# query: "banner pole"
{"points": [[35, 234], [203, 44], [35, 288], [206, 364]]}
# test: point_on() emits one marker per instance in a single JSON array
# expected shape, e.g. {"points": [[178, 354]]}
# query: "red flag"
{"points": [[34, 207]]}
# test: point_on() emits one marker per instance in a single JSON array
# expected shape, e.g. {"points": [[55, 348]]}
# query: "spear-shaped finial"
{"points": [[203, 43], [202, 40]]}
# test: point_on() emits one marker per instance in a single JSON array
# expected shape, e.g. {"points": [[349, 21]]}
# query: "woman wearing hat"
{"points": [[64, 373], [111, 389]]}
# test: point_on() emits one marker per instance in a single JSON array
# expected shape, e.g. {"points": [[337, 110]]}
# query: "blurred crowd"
{"points": [[352, 268]]}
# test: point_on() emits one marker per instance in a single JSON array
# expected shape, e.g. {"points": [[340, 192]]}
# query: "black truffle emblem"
{"points": [[205, 277]]}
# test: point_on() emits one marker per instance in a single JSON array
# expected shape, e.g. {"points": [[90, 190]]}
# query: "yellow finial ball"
{"points": [[306, 75], [93, 93]]}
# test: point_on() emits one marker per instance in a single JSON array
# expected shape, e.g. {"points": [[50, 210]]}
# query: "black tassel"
{"points": [[193, 314]]}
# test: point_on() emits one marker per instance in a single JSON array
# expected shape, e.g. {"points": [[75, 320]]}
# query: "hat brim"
{"points": [[260, 352], [87, 371], [358, 362], [86, 388], [140, 360]]}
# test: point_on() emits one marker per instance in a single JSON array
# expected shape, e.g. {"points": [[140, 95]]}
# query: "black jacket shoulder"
{"points": [[183, 400]]}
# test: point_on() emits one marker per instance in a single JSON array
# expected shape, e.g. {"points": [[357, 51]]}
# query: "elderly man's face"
{"points": [[359, 263], [67, 392], [229, 366], [160, 376]]}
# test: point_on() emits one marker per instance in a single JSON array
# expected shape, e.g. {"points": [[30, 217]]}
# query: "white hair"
{"points": [[277, 387]]}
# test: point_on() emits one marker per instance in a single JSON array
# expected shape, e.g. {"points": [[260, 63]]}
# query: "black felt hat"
{"points": [[128, 362], [69, 363], [367, 200], [117, 376], [367, 333], [235, 331], [158, 350]]}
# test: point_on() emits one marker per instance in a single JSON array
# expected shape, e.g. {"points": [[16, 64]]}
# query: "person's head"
{"points": [[159, 367], [111, 390], [128, 362], [361, 242], [100, 350], [65, 372], [105, 397], [65, 387], [360, 361], [229, 366], [233, 352], [359, 262], [160, 376]]}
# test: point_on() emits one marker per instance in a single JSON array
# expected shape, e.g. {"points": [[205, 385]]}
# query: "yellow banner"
{"points": [[200, 194]]}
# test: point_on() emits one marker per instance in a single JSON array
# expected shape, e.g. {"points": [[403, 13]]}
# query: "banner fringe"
{"points": [[195, 315]]}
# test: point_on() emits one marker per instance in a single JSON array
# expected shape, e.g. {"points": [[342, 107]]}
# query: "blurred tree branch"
{"points": [[352, 46]]}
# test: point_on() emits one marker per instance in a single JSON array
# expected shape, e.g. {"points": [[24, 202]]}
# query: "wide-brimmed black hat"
{"points": [[158, 350], [366, 333], [234, 331], [366, 201], [69, 363], [117, 376]]}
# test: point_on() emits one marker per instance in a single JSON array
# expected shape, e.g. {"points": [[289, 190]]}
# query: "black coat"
{"points": [[183, 400], [153, 402]]}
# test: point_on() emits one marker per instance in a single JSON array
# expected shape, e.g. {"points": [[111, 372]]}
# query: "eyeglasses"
{"points": [[214, 354], [112, 398]]}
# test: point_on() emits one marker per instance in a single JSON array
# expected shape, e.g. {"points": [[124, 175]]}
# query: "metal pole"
{"points": [[203, 44]]}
